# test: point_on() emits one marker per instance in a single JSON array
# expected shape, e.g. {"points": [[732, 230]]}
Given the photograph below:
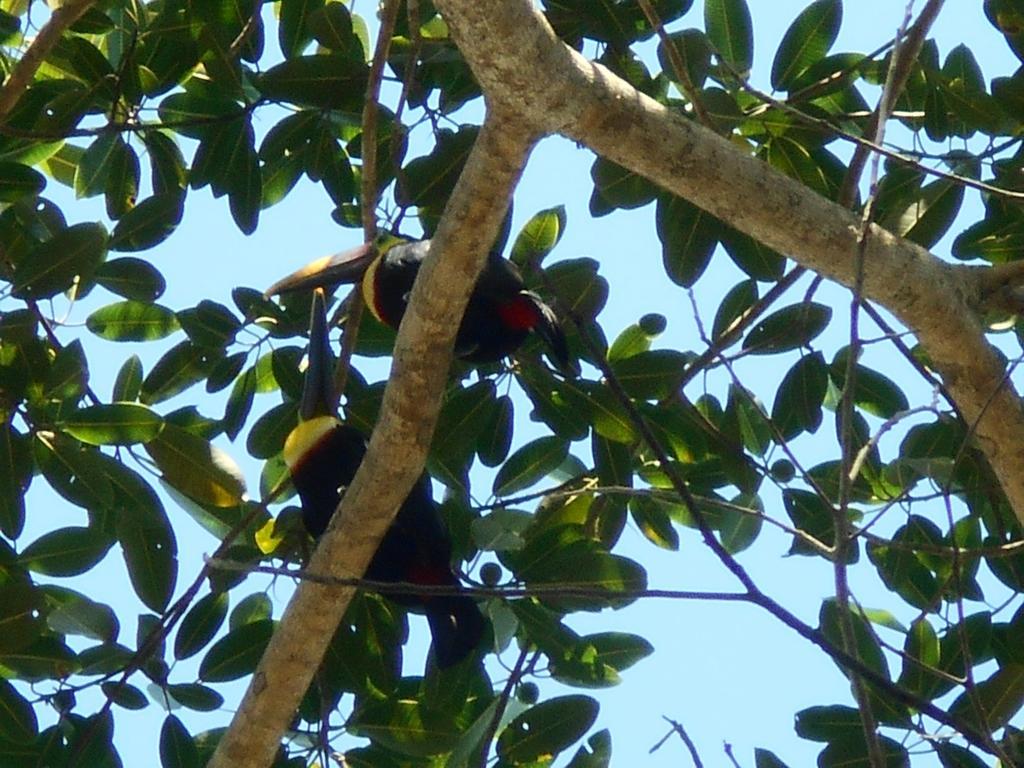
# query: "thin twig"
{"points": [[677, 728], [368, 188], [678, 67], [506, 694]]}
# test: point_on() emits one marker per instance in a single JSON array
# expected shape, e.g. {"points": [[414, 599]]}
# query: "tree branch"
{"points": [[560, 91], [398, 447], [32, 59]]}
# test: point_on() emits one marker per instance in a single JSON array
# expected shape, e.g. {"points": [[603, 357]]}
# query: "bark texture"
{"points": [[559, 91]]}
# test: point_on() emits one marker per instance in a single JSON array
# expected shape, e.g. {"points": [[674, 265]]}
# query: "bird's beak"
{"points": [[318, 395], [345, 267]]}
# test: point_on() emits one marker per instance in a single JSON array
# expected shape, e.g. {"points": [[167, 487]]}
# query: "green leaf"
{"points": [[149, 223], [253, 608], [738, 529], [131, 278], [789, 328], [196, 468], [654, 522], [113, 424], [539, 236], [177, 749], [529, 464], [236, 654], [78, 615], [128, 383], [609, 418], [329, 81], [18, 181], [546, 729], [66, 551], [17, 718], [806, 41], [757, 260], [731, 32], [266, 437], [688, 238], [132, 321], [53, 265], [200, 624], [877, 394]]}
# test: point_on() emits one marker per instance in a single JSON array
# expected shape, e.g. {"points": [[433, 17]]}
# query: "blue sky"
{"points": [[728, 672]]}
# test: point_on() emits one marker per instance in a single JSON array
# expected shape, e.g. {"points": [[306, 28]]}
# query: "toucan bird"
{"points": [[323, 455], [499, 316]]}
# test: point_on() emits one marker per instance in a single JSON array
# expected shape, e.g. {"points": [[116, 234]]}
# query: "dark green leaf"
{"points": [[731, 32], [496, 437], [798, 402], [826, 724], [131, 278], [52, 266], [78, 615], [236, 654], [196, 696], [176, 747], [181, 367], [547, 728], [125, 695], [653, 375], [18, 181], [788, 328], [150, 553], [294, 32], [688, 238], [15, 475], [806, 41], [529, 464], [331, 81], [200, 625], [65, 551], [17, 718], [148, 224]]}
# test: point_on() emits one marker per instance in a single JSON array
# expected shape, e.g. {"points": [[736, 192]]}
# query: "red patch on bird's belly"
{"points": [[519, 314], [426, 574]]}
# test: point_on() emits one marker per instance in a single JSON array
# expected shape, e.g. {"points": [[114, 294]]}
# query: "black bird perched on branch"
{"points": [[499, 316], [323, 455]]}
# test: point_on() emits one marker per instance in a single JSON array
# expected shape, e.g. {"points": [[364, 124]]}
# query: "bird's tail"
{"points": [[550, 330], [457, 627]]}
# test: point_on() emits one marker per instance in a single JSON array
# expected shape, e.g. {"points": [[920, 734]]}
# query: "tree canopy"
{"points": [[878, 435]]}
